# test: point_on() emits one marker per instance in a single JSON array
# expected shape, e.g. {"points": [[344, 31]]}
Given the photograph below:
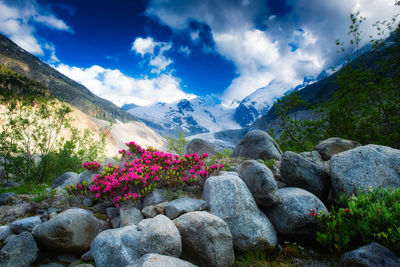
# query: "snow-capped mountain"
{"points": [[199, 115], [260, 101]]}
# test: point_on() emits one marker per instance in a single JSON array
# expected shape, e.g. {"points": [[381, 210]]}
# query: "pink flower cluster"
{"points": [[147, 169], [91, 166]]}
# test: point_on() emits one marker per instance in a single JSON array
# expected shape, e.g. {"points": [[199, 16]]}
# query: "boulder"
{"points": [[365, 167], [180, 206], [229, 198], [155, 197], [261, 182], [159, 235], [26, 224], [292, 216], [7, 198], [334, 145], [72, 231], [152, 211], [130, 215], [200, 146], [21, 250], [112, 212], [297, 171], [206, 239], [116, 247], [87, 176], [371, 255], [67, 178], [10, 184], [257, 144], [157, 260], [5, 231], [313, 156]]}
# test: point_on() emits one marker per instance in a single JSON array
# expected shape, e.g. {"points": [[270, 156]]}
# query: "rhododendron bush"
{"points": [[143, 171]]}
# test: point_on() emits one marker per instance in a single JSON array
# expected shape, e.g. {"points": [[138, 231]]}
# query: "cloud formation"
{"points": [[17, 21], [121, 89], [266, 46], [155, 51]]}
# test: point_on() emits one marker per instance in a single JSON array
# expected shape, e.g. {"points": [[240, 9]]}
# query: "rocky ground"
{"points": [[251, 216]]}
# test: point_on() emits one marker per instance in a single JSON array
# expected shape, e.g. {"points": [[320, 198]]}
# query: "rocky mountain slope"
{"points": [[17, 59]]}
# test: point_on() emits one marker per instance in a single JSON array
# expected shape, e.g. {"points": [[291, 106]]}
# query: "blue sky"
{"points": [[146, 51]]}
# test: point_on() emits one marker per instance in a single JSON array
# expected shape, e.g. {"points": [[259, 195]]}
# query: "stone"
{"points": [[21, 250], [261, 183], [257, 144], [72, 231], [83, 265], [200, 146], [68, 258], [87, 176], [53, 264], [365, 167], [116, 222], [229, 198], [5, 231], [102, 206], [7, 198], [87, 202], [152, 211], [334, 145], [292, 216], [179, 206], [10, 213], [111, 212], [129, 216], [116, 247], [155, 197], [371, 255], [26, 224], [313, 156], [87, 256], [67, 178], [206, 239], [297, 171], [10, 184], [159, 235], [157, 260]]}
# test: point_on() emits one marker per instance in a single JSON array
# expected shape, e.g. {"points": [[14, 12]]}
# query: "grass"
{"points": [[40, 191]]}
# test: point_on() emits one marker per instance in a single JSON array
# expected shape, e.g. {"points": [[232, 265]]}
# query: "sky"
{"points": [[147, 51]]}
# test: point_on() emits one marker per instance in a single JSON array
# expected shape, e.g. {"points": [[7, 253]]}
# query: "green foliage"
{"points": [[31, 145], [225, 153], [177, 145], [251, 258], [372, 216], [269, 163], [26, 189]]}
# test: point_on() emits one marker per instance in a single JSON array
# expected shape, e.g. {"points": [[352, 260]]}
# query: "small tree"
{"points": [[177, 145]]}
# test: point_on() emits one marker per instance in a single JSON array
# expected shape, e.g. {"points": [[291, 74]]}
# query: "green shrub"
{"points": [[372, 216], [177, 145]]}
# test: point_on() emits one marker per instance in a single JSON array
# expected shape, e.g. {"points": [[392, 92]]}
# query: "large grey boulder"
{"points": [[200, 146], [5, 231], [21, 250], [157, 260], [155, 197], [116, 247], [130, 215], [206, 239], [257, 144], [159, 235], [87, 176], [72, 231], [297, 171], [179, 206], [229, 198], [371, 255], [152, 211], [261, 182], [7, 198], [67, 178], [26, 224], [334, 145], [292, 216], [364, 167]]}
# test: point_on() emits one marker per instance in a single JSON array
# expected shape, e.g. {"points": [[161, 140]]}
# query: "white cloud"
{"points": [[185, 50], [147, 46], [53, 58], [121, 89], [263, 56], [16, 23]]}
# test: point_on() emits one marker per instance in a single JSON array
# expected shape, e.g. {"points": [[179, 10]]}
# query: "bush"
{"points": [[177, 145], [143, 171], [372, 216]]}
